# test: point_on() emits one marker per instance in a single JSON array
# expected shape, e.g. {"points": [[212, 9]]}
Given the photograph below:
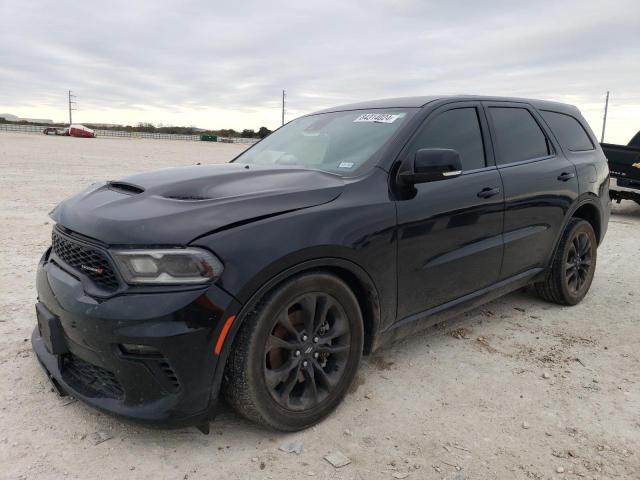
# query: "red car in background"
{"points": [[81, 131], [73, 131]]}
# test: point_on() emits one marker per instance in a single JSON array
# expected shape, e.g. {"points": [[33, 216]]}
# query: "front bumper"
{"points": [[169, 386]]}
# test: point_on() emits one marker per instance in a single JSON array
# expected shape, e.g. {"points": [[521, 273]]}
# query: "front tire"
{"points": [[296, 354], [573, 266]]}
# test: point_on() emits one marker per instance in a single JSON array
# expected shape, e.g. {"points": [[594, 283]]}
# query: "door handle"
{"points": [[566, 176], [488, 192]]}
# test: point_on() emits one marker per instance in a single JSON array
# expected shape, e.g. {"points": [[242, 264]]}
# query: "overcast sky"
{"points": [[224, 64]]}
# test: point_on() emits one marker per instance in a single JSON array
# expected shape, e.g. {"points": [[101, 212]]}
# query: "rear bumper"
{"points": [[624, 189], [172, 385]]}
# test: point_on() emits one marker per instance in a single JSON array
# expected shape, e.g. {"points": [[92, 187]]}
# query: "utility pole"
{"points": [[71, 104], [604, 121], [284, 94]]}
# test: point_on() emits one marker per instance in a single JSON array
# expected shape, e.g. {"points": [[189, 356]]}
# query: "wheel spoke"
{"points": [[585, 245], [277, 342], [289, 383], [276, 376], [322, 309], [308, 304], [582, 273], [579, 242], [338, 329], [333, 349], [572, 279], [285, 322], [311, 387], [576, 244], [322, 376]]}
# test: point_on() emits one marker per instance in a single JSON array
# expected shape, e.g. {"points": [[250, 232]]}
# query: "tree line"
{"points": [[225, 132]]}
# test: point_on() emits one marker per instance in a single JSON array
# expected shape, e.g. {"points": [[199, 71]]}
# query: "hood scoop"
{"points": [[126, 188], [187, 198]]}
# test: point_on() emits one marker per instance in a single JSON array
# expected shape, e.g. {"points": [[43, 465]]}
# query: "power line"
{"points": [[604, 120], [71, 106], [284, 94]]}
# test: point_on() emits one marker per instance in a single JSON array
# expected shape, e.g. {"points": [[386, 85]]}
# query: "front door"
{"points": [[450, 231]]}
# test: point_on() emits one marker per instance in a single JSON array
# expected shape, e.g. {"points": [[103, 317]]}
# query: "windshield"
{"points": [[338, 142]]}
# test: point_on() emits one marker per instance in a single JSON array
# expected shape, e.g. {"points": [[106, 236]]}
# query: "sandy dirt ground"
{"points": [[517, 389]]}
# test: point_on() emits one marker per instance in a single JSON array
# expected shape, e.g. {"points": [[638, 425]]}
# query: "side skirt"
{"points": [[422, 320]]}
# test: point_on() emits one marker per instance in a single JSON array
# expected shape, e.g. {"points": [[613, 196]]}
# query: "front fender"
{"points": [[368, 291]]}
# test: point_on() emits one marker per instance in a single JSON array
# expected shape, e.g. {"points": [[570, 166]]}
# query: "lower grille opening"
{"points": [[157, 364], [90, 380]]}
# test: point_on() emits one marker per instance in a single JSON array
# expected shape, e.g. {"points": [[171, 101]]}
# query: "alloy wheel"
{"points": [[307, 351], [578, 262]]}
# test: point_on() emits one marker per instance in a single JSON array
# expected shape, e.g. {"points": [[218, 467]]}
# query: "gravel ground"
{"points": [[516, 389]]}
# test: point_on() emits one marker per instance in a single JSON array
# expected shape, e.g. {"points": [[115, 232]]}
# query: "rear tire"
{"points": [[573, 266], [296, 353]]}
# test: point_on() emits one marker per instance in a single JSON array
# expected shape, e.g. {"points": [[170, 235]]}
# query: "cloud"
{"points": [[214, 65]]}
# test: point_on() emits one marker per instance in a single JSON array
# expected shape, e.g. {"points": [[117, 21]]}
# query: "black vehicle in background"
{"points": [[624, 165], [267, 278], [56, 131]]}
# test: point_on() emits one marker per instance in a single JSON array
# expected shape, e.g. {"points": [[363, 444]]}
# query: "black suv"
{"points": [[267, 278]]}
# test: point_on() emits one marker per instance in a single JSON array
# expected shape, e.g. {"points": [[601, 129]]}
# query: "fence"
{"points": [[249, 141], [10, 127], [157, 136]]}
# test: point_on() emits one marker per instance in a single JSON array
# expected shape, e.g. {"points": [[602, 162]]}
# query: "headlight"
{"points": [[168, 266]]}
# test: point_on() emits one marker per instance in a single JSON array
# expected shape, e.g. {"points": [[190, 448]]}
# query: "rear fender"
{"points": [[586, 199]]}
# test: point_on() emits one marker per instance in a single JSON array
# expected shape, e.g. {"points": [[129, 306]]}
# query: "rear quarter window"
{"points": [[569, 131]]}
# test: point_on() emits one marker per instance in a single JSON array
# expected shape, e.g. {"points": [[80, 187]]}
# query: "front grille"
{"points": [[90, 380], [87, 260]]}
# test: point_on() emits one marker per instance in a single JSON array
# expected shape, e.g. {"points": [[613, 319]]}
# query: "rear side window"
{"points": [[568, 130], [518, 135], [458, 130]]}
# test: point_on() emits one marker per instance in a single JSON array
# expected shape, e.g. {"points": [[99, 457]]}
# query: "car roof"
{"points": [[418, 102]]}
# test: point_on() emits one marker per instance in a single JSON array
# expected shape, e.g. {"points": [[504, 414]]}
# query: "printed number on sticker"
{"points": [[377, 117]]}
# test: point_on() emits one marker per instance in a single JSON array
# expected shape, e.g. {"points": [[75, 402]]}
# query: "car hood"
{"points": [[177, 205]]}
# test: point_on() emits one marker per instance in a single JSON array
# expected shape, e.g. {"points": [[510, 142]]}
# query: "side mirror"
{"points": [[430, 165]]}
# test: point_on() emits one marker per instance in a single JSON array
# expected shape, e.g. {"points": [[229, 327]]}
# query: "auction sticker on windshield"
{"points": [[378, 117]]}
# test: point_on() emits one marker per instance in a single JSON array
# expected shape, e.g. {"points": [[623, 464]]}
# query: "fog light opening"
{"points": [[138, 349]]}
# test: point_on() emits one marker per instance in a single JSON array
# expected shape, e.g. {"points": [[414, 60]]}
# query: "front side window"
{"points": [[518, 135], [568, 130], [457, 129], [337, 142]]}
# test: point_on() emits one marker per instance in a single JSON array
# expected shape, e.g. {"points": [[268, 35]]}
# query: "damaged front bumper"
{"points": [[147, 357]]}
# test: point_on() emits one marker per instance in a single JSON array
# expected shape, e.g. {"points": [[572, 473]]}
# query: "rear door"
{"points": [[540, 185], [450, 231]]}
